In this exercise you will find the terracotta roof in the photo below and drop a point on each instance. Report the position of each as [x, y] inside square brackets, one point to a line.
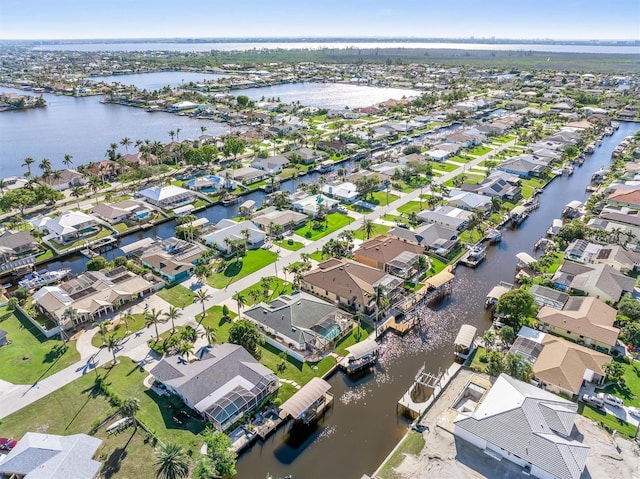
[625, 196]
[384, 249]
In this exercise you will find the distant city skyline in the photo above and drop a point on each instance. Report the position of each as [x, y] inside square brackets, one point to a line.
[500, 19]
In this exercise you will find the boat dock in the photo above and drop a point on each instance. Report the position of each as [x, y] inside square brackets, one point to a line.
[410, 404]
[362, 355]
[474, 256]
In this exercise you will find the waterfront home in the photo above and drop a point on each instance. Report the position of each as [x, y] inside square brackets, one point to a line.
[301, 322]
[561, 107]
[269, 217]
[224, 385]
[229, 230]
[391, 254]
[558, 365]
[245, 175]
[432, 237]
[105, 169]
[346, 191]
[350, 284]
[544, 296]
[465, 139]
[448, 216]
[436, 154]
[619, 258]
[383, 179]
[307, 156]
[582, 251]
[525, 166]
[310, 204]
[172, 259]
[90, 296]
[167, 197]
[181, 106]
[18, 243]
[540, 436]
[53, 457]
[599, 280]
[547, 156]
[68, 227]
[499, 183]
[66, 180]
[126, 210]
[211, 183]
[585, 320]
[452, 148]
[624, 197]
[469, 201]
[271, 165]
[13, 183]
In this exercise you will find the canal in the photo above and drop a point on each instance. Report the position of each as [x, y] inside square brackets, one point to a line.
[362, 427]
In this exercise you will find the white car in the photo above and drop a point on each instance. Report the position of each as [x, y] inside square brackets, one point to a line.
[611, 400]
[634, 411]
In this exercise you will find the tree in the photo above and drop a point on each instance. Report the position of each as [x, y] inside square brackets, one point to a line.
[28, 162]
[112, 343]
[77, 192]
[368, 227]
[507, 335]
[515, 305]
[494, 367]
[489, 339]
[211, 333]
[129, 408]
[614, 371]
[246, 334]
[630, 307]
[172, 462]
[221, 454]
[516, 366]
[67, 161]
[202, 272]
[126, 142]
[202, 296]
[97, 263]
[366, 185]
[241, 301]
[233, 147]
[173, 314]
[153, 317]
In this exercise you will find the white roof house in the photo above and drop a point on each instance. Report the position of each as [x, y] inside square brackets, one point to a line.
[229, 229]
[448, 216]
[169, 196]
[467, 200]
[345, 191]
[309, 204]
[65, 226]
[528, 426]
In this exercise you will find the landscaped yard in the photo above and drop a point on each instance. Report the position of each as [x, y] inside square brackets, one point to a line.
[177, 295]
[443, 166]
[479, 150]
[103, 233]
[411, 207]
[607, 420]
[334, 222]
[136, 323]
[382, 198]
[30, 356]
[357, 334]
[234, 270]
[289, 244]
[378, 230]
[436, 265]
[277, 287]
[317, 256]
[630, 390]
[46, 254]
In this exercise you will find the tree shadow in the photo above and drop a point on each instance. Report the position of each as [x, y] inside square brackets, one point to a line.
[113, 463]
[233, 269]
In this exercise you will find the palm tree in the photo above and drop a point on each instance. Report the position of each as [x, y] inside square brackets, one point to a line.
[153, 317]
[112, 343]
[126, 142]
[172, 462]
[241, 300]
[382, 303]
[203, 129]
[202, 296]
[103, 329]
[67, 161]
[45, 166]
[185, 348]
[178, 130]
[173, 314]
[211, 333]
[368, 227]
[77, 192]
[172, 134]
[95, 184]
[129, 408]
[28, 162]
[125, 318]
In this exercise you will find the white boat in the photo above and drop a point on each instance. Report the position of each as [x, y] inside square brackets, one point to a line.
[567, 170]
[41, 278]
[494, 235]
[615, 125]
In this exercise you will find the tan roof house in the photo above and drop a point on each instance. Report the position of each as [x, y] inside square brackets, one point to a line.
[585, 320]
[391, 254]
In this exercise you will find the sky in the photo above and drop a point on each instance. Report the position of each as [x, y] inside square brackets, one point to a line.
[516, 19]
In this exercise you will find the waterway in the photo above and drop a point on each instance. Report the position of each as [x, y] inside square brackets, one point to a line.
[311, 45]
[362, 427]
[157, 80]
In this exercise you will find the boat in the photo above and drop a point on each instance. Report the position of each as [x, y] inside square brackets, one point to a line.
[567, 170]
[88, 253]
[591, 147]
[608, 131]
[496, 293]
[615, 125]
[43, 277]
[572, 209]
[556, 224]
[229, 200]
[475, 256]
[465, 341]
[494, 236]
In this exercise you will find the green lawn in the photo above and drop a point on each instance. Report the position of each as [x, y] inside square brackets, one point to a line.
[630, 390]
[317, 255]
[30, 356]
[378, 230]
[46, 254]
[278, 287]
[475, 362]
[356, 335]
[334, 222]
[609, 421]
[120, 330]
[411, 207]
[411, 444]
[479, 150]
[289, 244]
[177, 295]
[448, 167]
[436, 266]
[103, 233]
[233, 270]
[381, 197]
[393, 218]
[121, 227]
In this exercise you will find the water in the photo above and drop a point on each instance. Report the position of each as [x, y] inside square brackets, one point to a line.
[362, 427]
[328, 95]
[157, 80]
[244, 46]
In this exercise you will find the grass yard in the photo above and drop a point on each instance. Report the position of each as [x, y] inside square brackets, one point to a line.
[120, 330]
[45, 255]
[317, 256]
[444, 166]
[120, 227]
[411, 207]
[357, 334]
[608, 421]
[126, 454]
[30, 356]
[471, 236]
[382, 198]
[233, 270]
[277, 287]
[479, 150]
[378, 230]
[630, 390]
[436, 265]
[334, 222]
[177, 295]
[392, 218]
[289, 244]
[476, 364]
[411, 444]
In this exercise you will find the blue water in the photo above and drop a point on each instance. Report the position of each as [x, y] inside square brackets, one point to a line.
[157, 80]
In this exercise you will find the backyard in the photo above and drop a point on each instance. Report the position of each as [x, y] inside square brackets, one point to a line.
[233, 270]
[277, 287]
[30, 356]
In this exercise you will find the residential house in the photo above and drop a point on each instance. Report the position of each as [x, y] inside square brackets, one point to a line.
[464, 139]
[271, 165]
[173, 259]
[310, 204]
[245, 175]
[500, 184]
[351, 284]
[308, 156]
[432, 237]
[66, 180]
[230, 230]
[301, 322]
[127, 210]
[391, 254]
[599, 280]
[105, 169]
[49, 456]
[287, 219]
[448, 216]
[19, 243]
[224, 385]
[346, 191]
[585, 320]
[624, 197]
[68, 227]
[167, 197]
[525, 166]
[619, 258]
[437, 154]
[544, 296]
[90, 296]
[582, 251]
[469, 201]
[528, 426]
[210, 183]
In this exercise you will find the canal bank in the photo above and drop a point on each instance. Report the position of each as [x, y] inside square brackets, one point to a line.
[362, 428]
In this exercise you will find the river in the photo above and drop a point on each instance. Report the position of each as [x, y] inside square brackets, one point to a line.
[316, 45]
[362, 427]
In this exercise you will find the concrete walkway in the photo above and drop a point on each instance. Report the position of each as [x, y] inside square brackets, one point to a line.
[135, 346]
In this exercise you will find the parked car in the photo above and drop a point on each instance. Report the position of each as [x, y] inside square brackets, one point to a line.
[342, 209]
[634, 411]
[593, 401]
[6, 444]
[611, 400]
